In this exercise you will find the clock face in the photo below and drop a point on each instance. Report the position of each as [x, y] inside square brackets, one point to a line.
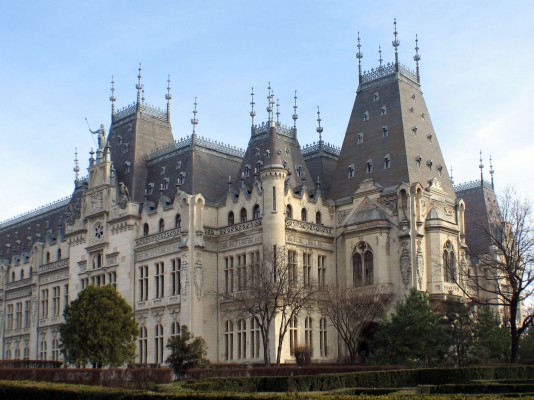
[98, 231]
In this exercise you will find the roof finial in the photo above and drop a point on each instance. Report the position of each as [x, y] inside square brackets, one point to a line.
[417, 58]
[76, 168]
[112, 98]
[481, 166]
[269, 103]
[359, 56]
[143, 95]
[295, 115]
[252, 112]
[492, 171]
[194, 120]
[380, 53]
[139, 86]
[396, 44]
[168, 97]
[452, 179]
[319, 128]
[277, 112]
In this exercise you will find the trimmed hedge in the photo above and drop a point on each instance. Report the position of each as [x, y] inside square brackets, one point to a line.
[117, 377]
[477, 388]
[380, 379]
[51, 391]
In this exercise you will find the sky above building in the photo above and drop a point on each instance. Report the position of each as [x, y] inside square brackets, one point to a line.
[58, 59]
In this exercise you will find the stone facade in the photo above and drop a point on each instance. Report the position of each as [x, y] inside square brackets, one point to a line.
[160, 219]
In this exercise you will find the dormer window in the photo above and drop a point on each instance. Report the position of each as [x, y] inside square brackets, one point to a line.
[359, 138]
[127, 165]
[376, 96]
[161, 225]
[267, 154]
[178, 165]
[257, 152]
[150, 189]
[387, 161]
[411, 110]
[366, 116]
[298, 169]
[423, 116]
[440, 169]
[418, 160]
[413, 97]
[162, 170]
[259, 165]
[414, 130]
[385, 131]
[247, 171]
[429, 137]
[351, 171]
[429, 163]
[182, 178]
[383, 110]
[120, 139]
[369, 166]
[165, 183]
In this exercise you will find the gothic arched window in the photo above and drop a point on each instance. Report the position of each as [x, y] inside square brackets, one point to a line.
[318, 220]
[178, 221]
[243, 215]
[304, 215]
[161, 225]
[362, 265]
[289, 211]
[231, 218]
[256, 212]
[145, 229]
[449, 262]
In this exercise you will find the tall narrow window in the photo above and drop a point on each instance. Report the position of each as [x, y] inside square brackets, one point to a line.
[143, 341]
[229, 274]
[9, 317]
[228, 340]
[241, 272]
[178, 221]
[304, 215]
[318, 219]
[158, 344]
[321, 271]
[161, 225]
[449, 262]
[230, 218]
[44, 303]
[176, 276]
[55, 350]
[323, 338]
[369, 166]
[362, 265]
[292, 267]
[387, 161]
[56, 301]
[159, 280]
[385, 131]
[58, 254]
[145, 229]
[308, 334]
[18, 315]
[293, 334]
[175, 329]
[254, 339]
[42, 352]
[66, 294]
[27, 313]
[306, 268]
[359, 138]
[274, 198]
[143, 283]
[243, 214]
[242, 339]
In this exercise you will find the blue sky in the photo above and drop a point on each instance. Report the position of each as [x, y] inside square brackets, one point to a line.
[58, 58]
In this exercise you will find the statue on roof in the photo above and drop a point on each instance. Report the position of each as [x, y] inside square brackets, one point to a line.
[124, 194]
[101, 132]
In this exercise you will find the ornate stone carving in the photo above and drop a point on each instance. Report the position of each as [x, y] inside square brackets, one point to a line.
[420, 265]
[341, 215]
[73, 213]
[199, 278]
[97, 202]
[405, 263]
[185, 276]
[124, 195]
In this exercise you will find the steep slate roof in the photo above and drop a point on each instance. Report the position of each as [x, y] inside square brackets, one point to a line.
[321, 159]
[274, 144]
[481, 208]
[390, 97]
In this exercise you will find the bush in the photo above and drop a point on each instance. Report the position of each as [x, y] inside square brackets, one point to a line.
[141, 378]
[302, 354]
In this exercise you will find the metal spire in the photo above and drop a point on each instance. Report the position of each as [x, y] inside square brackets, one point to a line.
[143, 95]
[194, 120]
[417, 58]
[112, 98]
[270, 103]
[319, 128]
[481, 166]
[76, 168]
[492, 171]
[396, 44]
[168, 97]
[139, 86]
[277, 112]
[252, 112]
[359, 56]
[380, 53]
[295, 115]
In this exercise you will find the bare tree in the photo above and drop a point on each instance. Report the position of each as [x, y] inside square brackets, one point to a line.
[271, 288]
[503, 275]
[351, 309]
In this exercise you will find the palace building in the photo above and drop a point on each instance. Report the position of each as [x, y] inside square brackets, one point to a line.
[171, 223]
